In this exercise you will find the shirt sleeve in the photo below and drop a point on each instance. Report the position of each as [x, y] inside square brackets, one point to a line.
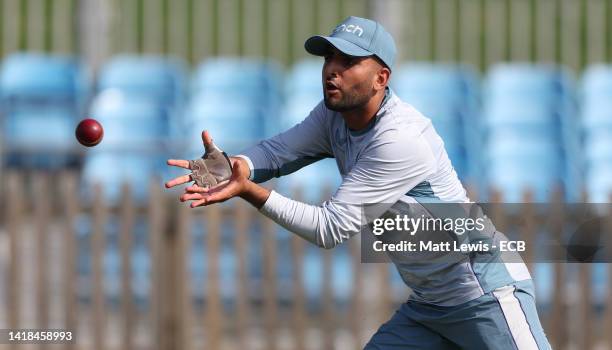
[384, 173]
[303, 144]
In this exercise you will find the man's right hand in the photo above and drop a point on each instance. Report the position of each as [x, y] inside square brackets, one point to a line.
[213, 169]
[237, 186]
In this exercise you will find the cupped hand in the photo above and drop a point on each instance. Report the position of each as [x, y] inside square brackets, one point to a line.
[208, 145]
[235, 187]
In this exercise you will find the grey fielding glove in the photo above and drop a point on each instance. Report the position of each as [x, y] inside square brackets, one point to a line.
[212, 169]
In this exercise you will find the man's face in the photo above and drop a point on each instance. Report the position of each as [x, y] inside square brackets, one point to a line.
[348, 81]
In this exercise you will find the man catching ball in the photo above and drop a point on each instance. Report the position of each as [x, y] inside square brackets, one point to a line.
[387, 152]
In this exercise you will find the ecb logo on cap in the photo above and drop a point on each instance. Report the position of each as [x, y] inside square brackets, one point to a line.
[351, 28]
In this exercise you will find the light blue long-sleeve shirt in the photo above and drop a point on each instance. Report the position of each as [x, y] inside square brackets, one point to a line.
[399, 158]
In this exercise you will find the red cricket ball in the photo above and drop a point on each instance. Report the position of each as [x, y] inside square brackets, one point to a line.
[89, 132]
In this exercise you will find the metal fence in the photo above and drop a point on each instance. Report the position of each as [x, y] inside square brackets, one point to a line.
[478, 32]
[42, 286]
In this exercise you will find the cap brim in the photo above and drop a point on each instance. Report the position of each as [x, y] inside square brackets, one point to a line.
[319, 46]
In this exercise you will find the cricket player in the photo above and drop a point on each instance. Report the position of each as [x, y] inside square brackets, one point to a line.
[388, 153]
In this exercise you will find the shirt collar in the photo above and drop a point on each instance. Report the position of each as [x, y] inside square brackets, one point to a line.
[384, 103]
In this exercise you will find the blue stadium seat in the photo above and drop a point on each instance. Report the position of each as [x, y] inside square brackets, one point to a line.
[155, 77]
[517, 147]
[525, 94]
[435, 109]
[233, 126]
[304, 91]
[525, 126]
[530, 97]
[596, 123]
[502, 142]
[598, 147]
[52, 129]
[40, 101]
[253, 83]
[26, 76]
[38, 139]
[526, 166]
[305, 77]
[113, 169]
[509, 113]
[136, 138]
[298, 107]
[257, 79]
[138, 103]
[130, 122]
[541, 83]
[216, 99]
[597, 114]
[597, 82]
[529, 121]
[447, 82]
[513, 163]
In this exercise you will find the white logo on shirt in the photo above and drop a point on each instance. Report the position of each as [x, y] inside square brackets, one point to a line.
[351, 28]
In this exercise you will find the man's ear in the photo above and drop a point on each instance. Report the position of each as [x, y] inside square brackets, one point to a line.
[381, 79]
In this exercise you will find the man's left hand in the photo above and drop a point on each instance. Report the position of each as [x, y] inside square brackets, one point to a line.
[236, 187]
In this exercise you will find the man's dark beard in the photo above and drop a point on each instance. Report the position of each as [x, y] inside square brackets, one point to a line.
[350, 100]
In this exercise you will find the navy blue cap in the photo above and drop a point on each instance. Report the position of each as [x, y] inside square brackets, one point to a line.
[356, 36]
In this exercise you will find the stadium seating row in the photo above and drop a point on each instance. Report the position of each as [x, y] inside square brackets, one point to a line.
[522, 125]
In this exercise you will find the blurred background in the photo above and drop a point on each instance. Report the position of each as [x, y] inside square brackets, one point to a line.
[520, 91]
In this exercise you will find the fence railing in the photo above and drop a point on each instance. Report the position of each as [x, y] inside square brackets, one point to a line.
[478, 32]
[43, 255]
[41, 217]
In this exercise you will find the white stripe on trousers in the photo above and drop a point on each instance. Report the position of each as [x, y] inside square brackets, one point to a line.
[515, 317]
